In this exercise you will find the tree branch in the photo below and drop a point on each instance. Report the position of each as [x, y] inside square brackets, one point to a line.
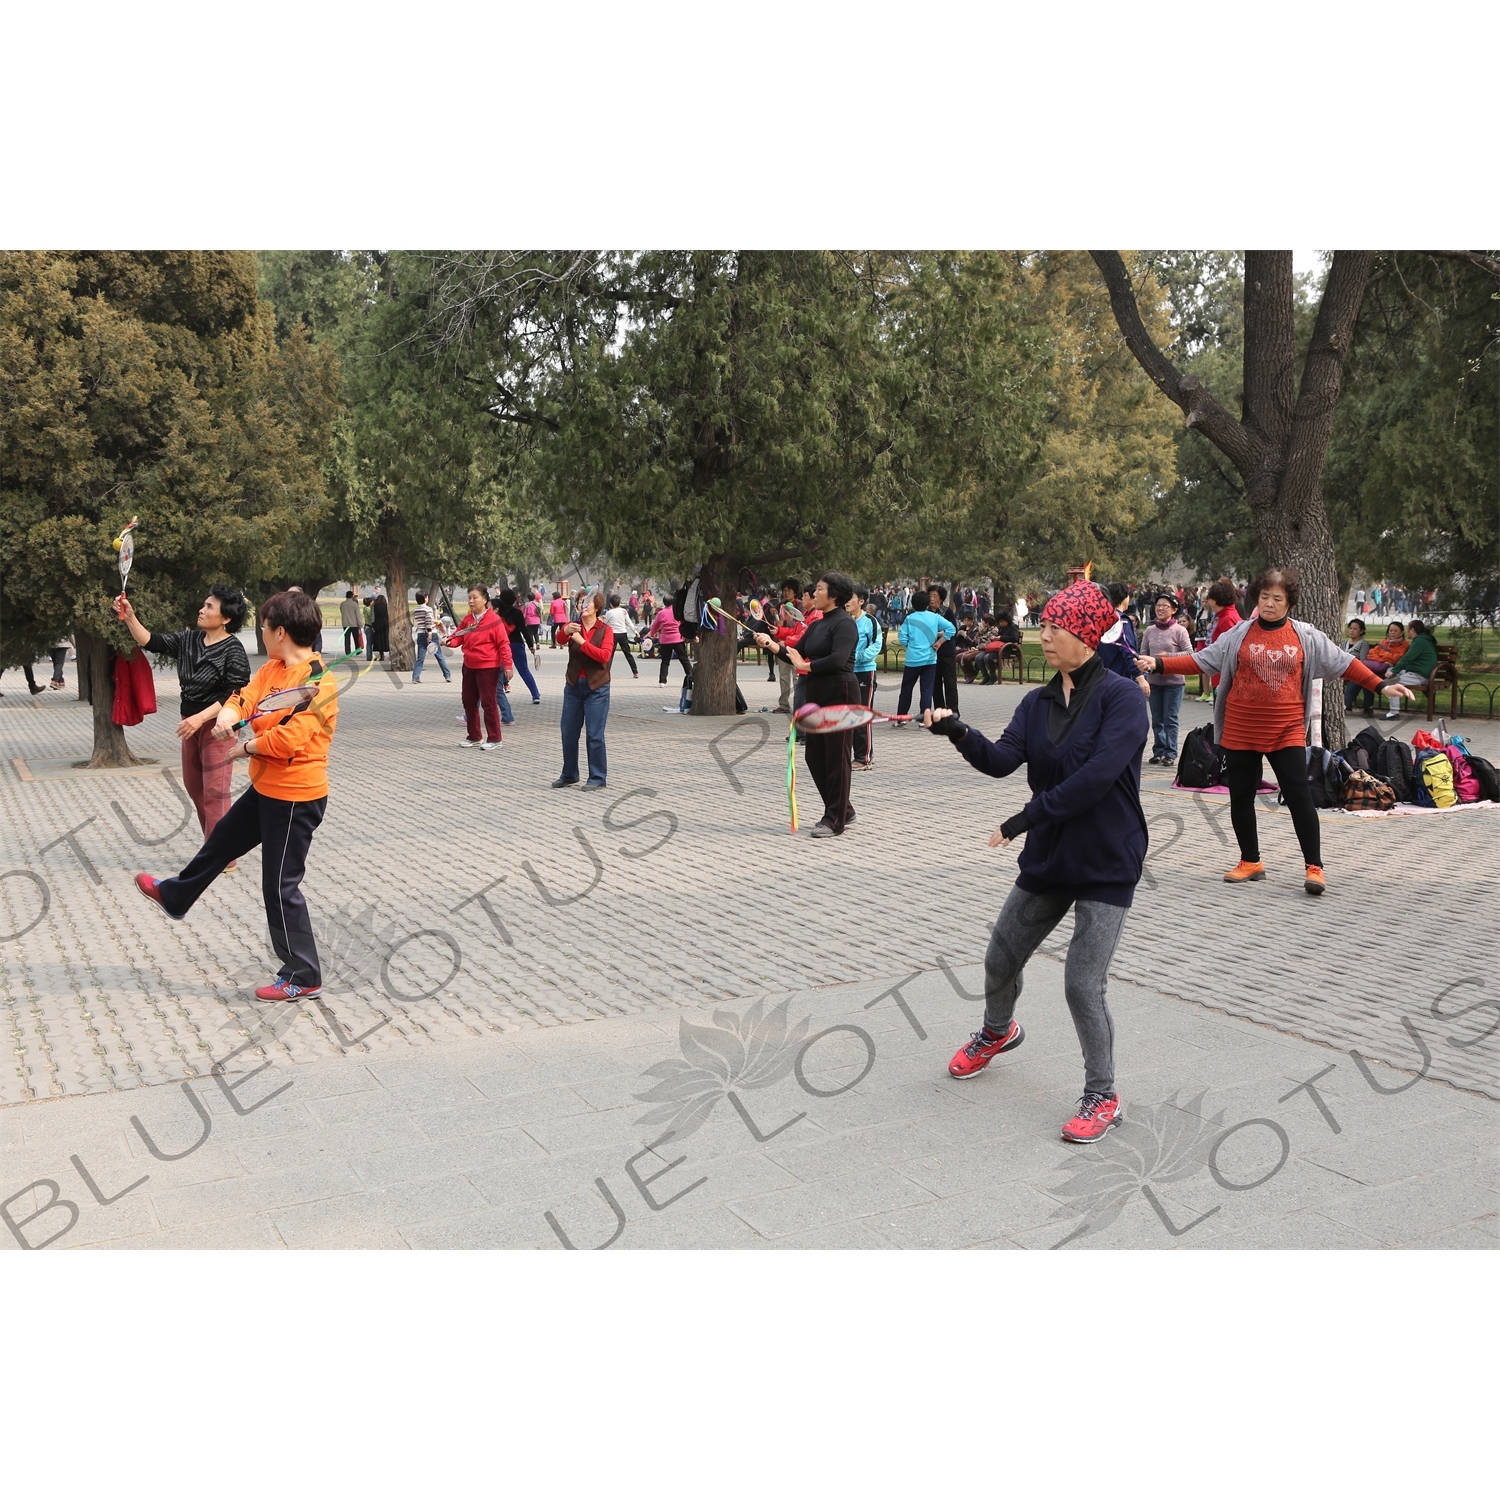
[1199, 407]
[1323, 369]
[1486, 262]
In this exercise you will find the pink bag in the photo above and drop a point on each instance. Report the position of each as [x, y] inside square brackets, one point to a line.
[1465, 782]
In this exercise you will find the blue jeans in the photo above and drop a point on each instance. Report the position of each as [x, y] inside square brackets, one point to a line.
[1166, 700]
[427, 638]
[587, 710]
[523, 669]
[1351, 691]
[503, 699]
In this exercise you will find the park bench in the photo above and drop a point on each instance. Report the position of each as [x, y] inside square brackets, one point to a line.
[1445, 671]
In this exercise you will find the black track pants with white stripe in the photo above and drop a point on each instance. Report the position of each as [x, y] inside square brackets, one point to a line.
[283, 830]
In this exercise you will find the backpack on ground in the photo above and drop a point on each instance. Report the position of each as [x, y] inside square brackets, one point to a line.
[1487, 778]
[1201, 762]
[1366, 793]
[1364, 747]
[1465, 783]
[1434, 779]
[1393, 763]
[1326, 775]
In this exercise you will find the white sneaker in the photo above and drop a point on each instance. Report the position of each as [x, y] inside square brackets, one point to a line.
[474, 744]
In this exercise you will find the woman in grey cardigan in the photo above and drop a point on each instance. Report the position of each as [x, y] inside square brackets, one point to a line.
[1264, 708]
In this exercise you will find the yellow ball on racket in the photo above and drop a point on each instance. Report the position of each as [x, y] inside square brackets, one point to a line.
[116, 544]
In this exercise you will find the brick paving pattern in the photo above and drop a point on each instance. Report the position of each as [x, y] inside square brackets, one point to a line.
[465, 908]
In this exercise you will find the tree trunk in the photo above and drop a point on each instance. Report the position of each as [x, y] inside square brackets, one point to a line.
[403, 652]
[110, 748]
[1281, 439]
[714, 676]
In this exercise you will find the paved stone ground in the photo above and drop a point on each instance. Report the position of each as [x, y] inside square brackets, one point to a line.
[469, 915]
[825, 1121]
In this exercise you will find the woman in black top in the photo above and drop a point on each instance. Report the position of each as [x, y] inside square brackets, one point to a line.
[824, 661]
[380, 631]
[211, 665]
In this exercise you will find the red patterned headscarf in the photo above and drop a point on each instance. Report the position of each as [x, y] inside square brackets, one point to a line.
[1082, 609]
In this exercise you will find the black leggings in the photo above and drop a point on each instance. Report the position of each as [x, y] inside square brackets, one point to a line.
[1289, 767]
[623, 645]
[668, 650]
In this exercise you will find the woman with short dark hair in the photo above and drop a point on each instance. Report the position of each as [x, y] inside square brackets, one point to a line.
[824, 662]
[211, 666]
[1269, 665]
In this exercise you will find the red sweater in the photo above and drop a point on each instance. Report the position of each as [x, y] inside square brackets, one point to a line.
[487, 644]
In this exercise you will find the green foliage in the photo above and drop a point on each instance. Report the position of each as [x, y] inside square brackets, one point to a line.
[1205, 519]
[421, 488]
[148, 384]
[1108, 455]
[758, 407]
[1411, 480]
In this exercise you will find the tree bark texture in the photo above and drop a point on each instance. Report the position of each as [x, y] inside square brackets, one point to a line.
[110, 748]
[403, 652]
[714, 676]
[1280, 441]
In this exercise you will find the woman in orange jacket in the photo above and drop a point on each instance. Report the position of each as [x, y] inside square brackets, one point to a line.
[286, 798]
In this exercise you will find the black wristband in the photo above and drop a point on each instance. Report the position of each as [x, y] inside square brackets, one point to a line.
[1013, 828]
[952, 726]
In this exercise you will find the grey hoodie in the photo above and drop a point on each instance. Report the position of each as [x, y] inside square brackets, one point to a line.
[1322, 658]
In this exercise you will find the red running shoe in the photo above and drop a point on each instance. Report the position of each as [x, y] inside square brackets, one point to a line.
[284, 989]
[1096, 1113]
[149, 887]
[976, 1053]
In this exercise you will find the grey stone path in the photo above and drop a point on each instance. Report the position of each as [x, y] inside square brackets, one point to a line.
[470, 917]
[827, 1121]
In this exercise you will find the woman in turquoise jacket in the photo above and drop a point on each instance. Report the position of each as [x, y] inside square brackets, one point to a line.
[921, 633]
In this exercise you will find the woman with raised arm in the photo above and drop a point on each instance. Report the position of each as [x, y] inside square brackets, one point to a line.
[211, 668]
[1080, 739]
[1268, 666]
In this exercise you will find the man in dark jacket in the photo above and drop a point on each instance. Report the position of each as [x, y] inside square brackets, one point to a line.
[1080, 738]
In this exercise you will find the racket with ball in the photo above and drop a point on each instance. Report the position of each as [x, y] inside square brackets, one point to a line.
[835, 718]
[125, 546]
[757, 615]
[290, 699]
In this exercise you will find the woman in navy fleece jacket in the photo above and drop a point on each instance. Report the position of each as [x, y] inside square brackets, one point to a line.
[1080, 738]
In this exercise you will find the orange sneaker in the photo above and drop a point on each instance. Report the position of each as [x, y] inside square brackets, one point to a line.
[1247, 869]
[1315, 885]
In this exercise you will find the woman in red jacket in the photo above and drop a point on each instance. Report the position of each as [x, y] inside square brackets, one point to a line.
[1220, 603]
[486, 647]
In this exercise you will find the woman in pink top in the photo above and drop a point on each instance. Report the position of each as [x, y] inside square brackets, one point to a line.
[668, 635]
[559, 615]
[531, 620]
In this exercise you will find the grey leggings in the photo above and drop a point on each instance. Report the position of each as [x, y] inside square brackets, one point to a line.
[1022, 926]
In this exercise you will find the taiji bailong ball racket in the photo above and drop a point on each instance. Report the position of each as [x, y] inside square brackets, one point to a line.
[757, 614]
[125, 546]
[834, 718]
[291, 698]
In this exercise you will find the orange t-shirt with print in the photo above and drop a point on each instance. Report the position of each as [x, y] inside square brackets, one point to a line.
[290, 763]
[1265, 709]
